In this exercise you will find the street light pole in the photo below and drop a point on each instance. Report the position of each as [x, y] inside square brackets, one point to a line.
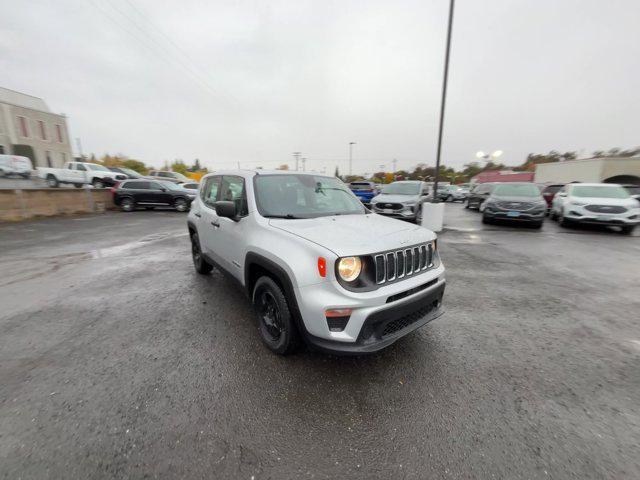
[351, 144]
[442, 103]
[296, 155]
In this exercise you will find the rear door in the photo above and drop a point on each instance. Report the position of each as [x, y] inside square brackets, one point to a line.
[159, 194]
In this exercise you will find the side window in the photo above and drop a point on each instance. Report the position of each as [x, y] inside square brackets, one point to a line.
[232, 189]
[71, 165]
[80, 167]
[209, 192]
[164, 174]
[155, 186]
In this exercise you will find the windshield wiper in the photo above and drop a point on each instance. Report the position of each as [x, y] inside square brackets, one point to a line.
[286, 215]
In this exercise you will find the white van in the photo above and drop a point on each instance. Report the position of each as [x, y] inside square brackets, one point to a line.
[15, 165]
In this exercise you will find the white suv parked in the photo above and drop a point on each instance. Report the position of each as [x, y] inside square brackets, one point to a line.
[596, 203]
[317, 265]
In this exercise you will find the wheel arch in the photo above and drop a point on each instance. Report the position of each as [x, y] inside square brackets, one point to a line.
[255, 266]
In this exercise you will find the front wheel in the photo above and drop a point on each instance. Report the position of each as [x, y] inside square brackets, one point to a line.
[487, 220]
[97, 183]
[181, 205]
[275, 322]
[627, 229]
[563, 221]
[127, 204]
[77, 185]
[202, 266]
[52, 181]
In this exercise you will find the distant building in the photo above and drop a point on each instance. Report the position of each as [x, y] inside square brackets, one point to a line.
[29, 128]
[502, 176]
[609, 170]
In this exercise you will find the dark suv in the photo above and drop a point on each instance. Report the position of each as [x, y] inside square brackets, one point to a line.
[478, 195]
[517, 201]
[150, 194]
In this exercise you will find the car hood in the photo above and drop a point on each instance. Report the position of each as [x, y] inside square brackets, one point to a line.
[623, 202]
[347, 235]
[383, 197]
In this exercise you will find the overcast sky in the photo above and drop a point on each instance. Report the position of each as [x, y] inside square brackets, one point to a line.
[252, 82]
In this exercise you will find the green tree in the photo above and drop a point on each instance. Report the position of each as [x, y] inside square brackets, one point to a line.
[179, 167]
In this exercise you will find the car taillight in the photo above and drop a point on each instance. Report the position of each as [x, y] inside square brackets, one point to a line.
[113, 189]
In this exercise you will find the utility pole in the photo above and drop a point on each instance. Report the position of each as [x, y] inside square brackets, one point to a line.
[351, 144]
[304, 162]
[395, 162]
[296, 155]
[444, 98]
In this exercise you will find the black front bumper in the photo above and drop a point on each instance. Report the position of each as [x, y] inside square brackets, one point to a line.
[522, 216]
[384, 327]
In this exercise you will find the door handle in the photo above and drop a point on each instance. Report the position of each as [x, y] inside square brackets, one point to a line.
[215, 224]
[197, 215]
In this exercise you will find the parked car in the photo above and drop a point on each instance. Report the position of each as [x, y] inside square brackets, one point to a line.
[515, 202]
[15, 165]
[131, 194]
[294, 241]
[634, 190]
[365, 191]
[549, 191]
[165, 176]
[596, 203]
[80, 173]
[478, 194]
[453, 193]
[402, 199]
[126, 171]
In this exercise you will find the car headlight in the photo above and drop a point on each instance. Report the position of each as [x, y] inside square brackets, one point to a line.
[349, 268]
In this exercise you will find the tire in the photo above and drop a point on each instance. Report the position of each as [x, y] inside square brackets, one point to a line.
[52, 181]
[201, 265]
[487, 220]
[97, 183]
[127, 205]
[481, 207]
[553, 215]
[563, 221]
[627, 229]
[26, 176]
[181, 205]
[466, 203]
[449, 199]
[77, 185]
[275, 322]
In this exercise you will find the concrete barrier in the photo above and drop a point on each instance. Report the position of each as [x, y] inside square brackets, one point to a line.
[22, 204]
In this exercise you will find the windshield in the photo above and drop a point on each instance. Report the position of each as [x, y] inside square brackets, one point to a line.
[599, 191]
[304, 196]
[402, 188]
[516, 190]
[93, 166]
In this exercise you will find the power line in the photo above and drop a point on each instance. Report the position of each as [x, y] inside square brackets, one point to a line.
[170, 60]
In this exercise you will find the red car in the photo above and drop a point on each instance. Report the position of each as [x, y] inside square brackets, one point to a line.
[549, 191]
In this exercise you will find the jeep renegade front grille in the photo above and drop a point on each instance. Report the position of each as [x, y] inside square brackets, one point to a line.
[398, 264]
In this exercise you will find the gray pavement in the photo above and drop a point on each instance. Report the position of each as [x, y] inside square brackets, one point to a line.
[118, 361]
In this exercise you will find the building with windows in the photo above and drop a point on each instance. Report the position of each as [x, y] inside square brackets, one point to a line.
[30, 129]
[624, 170]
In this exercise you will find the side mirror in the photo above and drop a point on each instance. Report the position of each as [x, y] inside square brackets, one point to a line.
[162, 189]
[226, 209]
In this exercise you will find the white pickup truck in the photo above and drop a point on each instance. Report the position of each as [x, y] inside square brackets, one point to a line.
[79, 174]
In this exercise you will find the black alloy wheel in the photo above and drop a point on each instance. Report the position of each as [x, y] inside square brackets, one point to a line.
[201, 265]
[275, 322]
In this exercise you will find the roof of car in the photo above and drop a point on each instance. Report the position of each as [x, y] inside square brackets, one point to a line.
[254, 172]
[595, 184]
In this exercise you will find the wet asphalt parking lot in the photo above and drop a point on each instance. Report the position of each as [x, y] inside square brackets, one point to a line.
[118, 361]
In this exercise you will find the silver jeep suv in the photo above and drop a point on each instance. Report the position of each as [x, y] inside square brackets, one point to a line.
[317, 265]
